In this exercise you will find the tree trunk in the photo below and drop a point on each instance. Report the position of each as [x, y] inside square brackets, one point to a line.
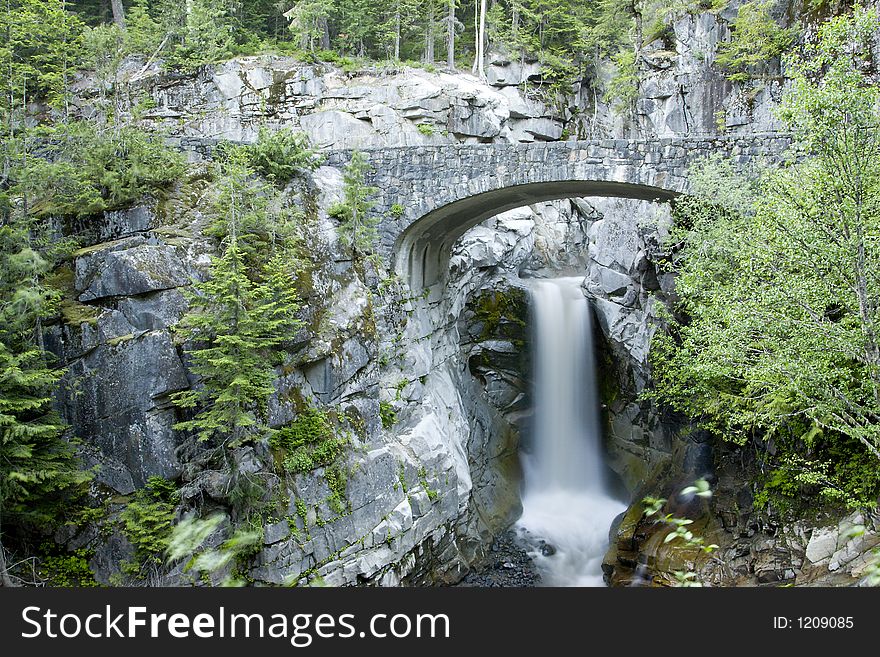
[325, 34]
[450, 36]
[397, 33]
[429, 36]
[5, 579]
[118, 13]
[514, 20]
[479, 63]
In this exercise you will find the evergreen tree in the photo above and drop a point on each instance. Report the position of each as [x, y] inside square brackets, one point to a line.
[308, 22]
[118, 13]
[233, 327]
[451, 28]
[430, 14]
[756, 41]
[246, 308]
[358, 228]
[37, 466]
[39, 48]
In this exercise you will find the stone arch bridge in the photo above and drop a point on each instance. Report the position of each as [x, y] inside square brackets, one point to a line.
[443, 190]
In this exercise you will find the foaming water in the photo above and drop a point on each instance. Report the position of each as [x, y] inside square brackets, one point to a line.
[567, 507]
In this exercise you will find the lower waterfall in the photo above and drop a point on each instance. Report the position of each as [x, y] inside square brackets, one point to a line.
[567, 505]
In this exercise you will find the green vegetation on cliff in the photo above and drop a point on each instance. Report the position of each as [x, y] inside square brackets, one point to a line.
[357, 228]
[233, 325]
[779, 341]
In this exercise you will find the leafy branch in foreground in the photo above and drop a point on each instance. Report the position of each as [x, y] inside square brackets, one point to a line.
[190, 534]
[680, 530]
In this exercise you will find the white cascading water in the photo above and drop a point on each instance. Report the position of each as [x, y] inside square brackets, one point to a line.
[566, 501]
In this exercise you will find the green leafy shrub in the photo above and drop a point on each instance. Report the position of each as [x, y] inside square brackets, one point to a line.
[308, 442]
[81, 169]
[147, 520]
[67, 570]
[281, 155]
[773, 343]
[188, 537]
[337, 480]
[387, 414]
[423, 480]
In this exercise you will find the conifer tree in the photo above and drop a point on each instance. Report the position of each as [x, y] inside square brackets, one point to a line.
[247, 307]
[234, 325]
[358, 228]
[40, 44]
[36, 461]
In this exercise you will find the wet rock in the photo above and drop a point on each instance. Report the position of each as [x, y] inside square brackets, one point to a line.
[510, 565]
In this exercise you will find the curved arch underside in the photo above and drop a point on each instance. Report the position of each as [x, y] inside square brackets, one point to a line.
[421, 253]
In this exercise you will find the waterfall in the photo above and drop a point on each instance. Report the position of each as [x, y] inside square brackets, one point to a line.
[567, 506]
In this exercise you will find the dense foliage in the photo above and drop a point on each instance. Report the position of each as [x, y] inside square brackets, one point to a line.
[79, 169]
[36, 461]
[757, 41]
[775, 343]
[780, 289]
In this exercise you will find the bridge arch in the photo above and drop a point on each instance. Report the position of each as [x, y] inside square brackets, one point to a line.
[421, 252]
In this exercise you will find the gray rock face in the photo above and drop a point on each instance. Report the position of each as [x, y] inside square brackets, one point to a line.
[116, 399]
[153, 311]
[503, 72]
[338, 129]
[537, 129]
[127, 270]
[113, 225]
[470, 122]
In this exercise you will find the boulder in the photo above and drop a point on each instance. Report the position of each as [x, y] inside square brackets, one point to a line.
[153, 311]
[470, 121]
[823, 543]
[118, 272]
[608, 282]
[521, 106]
[541, 129]
[122, 223]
